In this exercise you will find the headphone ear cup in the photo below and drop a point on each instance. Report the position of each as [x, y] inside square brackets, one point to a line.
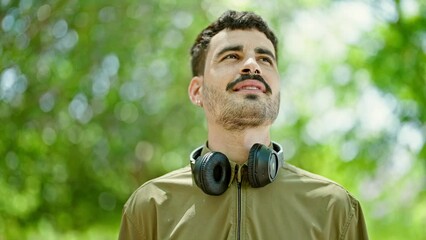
[262, 165]
[212, 173]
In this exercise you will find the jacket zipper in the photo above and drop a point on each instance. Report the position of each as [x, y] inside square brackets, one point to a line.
[239, 212]
[238, 172]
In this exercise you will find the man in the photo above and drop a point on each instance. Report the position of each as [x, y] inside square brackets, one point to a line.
[237, 185]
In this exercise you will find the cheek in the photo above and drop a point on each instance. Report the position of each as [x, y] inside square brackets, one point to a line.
[224, 69]
[274, 81]
[277, 84]
[220, 77]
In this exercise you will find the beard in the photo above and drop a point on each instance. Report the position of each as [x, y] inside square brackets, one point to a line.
[236, 112]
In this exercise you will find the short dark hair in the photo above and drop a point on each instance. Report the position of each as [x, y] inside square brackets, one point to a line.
[231, 20]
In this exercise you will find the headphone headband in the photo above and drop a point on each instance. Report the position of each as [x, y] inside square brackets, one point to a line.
[275, 146]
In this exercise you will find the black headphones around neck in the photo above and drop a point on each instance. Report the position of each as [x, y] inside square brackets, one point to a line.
[212, 171]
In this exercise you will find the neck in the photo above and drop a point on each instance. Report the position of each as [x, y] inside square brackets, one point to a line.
[236, 144]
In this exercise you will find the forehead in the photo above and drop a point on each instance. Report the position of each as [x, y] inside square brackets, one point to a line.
[248, 39]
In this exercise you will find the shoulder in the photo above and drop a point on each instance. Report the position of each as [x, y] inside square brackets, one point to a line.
[153, 193]
[326, 202]
[157, 188]
[178, 176]
[295, 175]
[309, 185]
[140, 210]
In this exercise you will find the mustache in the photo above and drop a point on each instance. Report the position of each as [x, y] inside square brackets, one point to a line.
[244, 77]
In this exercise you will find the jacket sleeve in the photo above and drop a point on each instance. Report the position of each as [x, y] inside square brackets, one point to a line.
[355, 227]
[128, 230]
[139, 218]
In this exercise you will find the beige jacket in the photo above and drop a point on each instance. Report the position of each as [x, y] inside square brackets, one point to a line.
[298, 205]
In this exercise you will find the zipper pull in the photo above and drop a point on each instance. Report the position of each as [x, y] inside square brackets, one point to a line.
[239, 173]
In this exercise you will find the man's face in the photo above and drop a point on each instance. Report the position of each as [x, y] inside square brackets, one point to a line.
[240, 86]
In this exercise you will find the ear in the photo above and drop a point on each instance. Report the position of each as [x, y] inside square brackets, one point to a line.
[195, 90]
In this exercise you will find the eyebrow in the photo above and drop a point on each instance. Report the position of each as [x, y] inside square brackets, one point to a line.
[237, 48]
[233, 48]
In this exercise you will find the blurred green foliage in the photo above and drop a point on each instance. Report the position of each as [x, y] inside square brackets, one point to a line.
[93, 102]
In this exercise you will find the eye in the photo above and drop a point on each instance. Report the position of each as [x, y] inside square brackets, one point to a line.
[267, 60]
[231, 56]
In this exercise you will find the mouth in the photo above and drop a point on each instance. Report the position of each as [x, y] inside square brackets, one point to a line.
[249, 86]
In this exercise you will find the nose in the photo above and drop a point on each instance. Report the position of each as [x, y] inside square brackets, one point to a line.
[250, 67]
